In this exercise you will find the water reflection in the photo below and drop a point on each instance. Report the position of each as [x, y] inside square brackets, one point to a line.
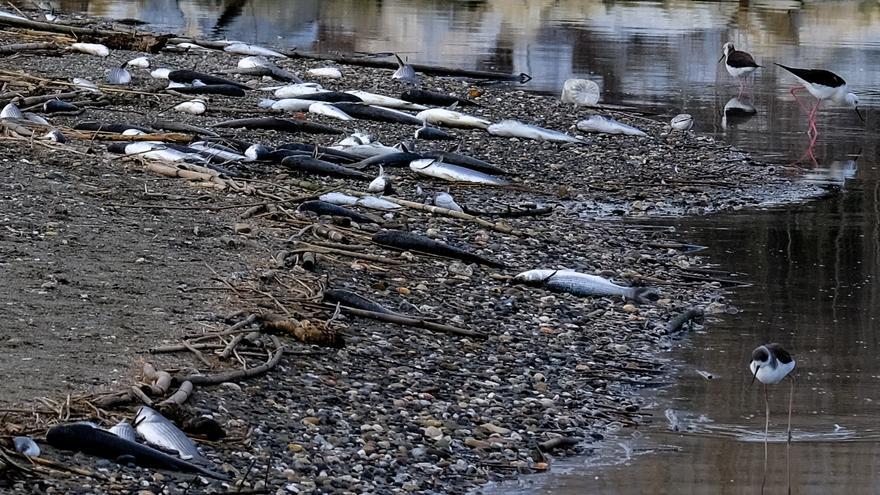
[737, 112]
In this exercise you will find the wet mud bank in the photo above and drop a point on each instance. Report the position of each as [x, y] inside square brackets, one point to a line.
[469, 377]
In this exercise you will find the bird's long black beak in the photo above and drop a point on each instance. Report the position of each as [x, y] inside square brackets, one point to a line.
[720, 59]
[755, 375]
[859, 114]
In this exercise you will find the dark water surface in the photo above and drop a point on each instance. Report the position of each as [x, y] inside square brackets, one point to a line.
[813, 266]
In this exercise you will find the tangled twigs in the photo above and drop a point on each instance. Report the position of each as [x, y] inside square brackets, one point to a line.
[214, 379]
[415, 322]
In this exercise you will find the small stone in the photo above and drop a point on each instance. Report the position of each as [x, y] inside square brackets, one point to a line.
[403, 291]
[242, 228]
[311, 420]
[295, 447]
[629, 308]
[476, 444]
[433, 433]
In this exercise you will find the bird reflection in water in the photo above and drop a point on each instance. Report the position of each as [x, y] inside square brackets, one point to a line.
[737, 111]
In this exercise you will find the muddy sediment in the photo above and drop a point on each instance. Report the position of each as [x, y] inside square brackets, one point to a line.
[106, 259]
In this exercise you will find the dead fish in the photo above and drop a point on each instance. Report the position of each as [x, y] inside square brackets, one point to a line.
[607, 125]
[330, 97]
[451, 118]
[338, 198]
[95, 441]
[393, 159]
[26, 446]
[580, 92]
[581, 284]
[260, 65]
[515, 128]
[380, 184]
[357, 138]
[312, 165]
[277, 124]
[194, 107]
[465, 161]
[55, 136]
[91, 49]
[414, 242]
[324, 208]
[211, 89]
[124, 430]
[189, 76]
[435, 99]
[445, 200]
[367, 150]
[245, 49]
[377, 114]
[86, 84]
[142, 62]
[405, 73]
[118, 76]
[54, 106]
[328, 110]
[377, 203]
[353, 300]
[453, 173]
[158, 430]
[432, 134]
[161, 73]
[328, 72]
[330, 154]
[11, 111]
[298, 90]
[385, 101]
[37, 119]
[292, 105]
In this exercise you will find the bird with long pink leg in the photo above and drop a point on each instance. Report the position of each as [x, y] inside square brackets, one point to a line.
[823, 85]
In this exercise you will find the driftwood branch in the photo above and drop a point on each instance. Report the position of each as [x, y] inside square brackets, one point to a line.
[180, 396]
[415, 322]
[25, 47]
[228, 376]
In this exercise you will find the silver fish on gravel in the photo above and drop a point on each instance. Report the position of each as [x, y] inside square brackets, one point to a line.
[10, 111]
[26, 446]
[582, 284]
[380, 183]
[445, 200]
[405, 72]
[607, 125]
[515, 128]
[118, 76]
[451, 118]
[123, 429]
[86, 84]
[453, 173]
[160, 431]
[245, 49]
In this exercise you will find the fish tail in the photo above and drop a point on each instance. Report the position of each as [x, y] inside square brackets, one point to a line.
[645, 295]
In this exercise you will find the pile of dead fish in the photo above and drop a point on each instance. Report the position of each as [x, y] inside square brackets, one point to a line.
[165, 445]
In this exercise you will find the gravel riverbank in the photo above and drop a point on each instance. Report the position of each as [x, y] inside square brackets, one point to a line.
[106, 260]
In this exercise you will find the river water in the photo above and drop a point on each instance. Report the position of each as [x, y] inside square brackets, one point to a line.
[812, 266]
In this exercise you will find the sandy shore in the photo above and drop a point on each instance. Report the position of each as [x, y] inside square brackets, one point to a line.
[105, 260]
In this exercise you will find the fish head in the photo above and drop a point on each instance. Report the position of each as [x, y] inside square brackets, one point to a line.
[646, 295]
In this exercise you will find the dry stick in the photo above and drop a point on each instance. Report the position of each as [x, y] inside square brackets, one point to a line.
[198, 354]
[180, 396]
[311, 248]
[232, 345]
[180, 348]
[240, 374]
[141, 396]
[415, 322]
[22, 47]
